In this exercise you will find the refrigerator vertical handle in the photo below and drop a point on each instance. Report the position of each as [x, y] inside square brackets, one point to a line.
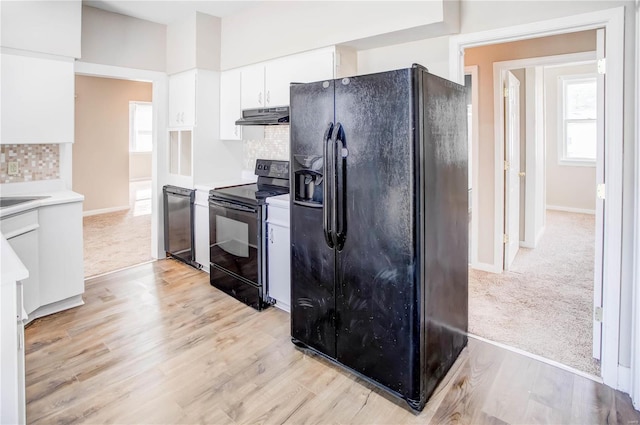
[340, 218]
[327, 172]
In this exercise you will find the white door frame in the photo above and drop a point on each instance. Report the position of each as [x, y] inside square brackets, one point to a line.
[613, 22]
[635, 304]
[160, 94]
[475, 137]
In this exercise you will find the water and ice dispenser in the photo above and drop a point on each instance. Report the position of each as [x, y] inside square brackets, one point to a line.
[308, 180]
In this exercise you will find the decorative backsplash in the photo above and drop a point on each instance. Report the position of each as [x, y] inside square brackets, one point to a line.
[35, 162]
[274, 146]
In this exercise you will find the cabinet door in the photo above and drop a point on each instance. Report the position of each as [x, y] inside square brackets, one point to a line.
[230, 109]
[278, 77]
[311, 67]
[61, 255]
[37, 100]
[182, 99]
[26, 248]
[279, 260]
[252, 87]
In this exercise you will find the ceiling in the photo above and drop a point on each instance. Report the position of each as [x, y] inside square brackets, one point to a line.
[168, 11]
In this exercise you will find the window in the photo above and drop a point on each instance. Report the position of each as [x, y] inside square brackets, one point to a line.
[140, 127]
[578, 120]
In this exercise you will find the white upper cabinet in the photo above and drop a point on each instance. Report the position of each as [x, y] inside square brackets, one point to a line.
[182, 99]
[315, 66]
[267, 84]
[37, 98]
[252, 93]
[230, 109]
[278, 76]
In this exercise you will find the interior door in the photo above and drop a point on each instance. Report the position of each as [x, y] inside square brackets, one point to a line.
[600, 205]
[512, 169]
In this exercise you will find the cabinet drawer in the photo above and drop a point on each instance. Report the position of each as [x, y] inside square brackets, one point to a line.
[278, 215]
[18, 224]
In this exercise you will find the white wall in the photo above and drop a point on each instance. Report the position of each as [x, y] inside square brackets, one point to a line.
[193, 42]
[568, 186]
[51, 27]
[432, 53]
[276, 29]
[118, 40]
[101, 150]
[139, 166]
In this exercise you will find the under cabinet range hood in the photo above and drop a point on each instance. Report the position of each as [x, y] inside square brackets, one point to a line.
[265, 116]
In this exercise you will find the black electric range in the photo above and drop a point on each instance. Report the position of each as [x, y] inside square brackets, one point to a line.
[237, 233]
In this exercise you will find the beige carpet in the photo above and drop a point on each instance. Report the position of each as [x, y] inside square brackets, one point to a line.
[120, 239]
[544, 304]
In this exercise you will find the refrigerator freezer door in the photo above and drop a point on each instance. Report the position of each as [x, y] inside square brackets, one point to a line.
[312, 260]
[378, 325]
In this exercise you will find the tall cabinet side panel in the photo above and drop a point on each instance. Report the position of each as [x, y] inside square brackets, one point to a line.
[312, 260]
[378, 320]
[446, 237]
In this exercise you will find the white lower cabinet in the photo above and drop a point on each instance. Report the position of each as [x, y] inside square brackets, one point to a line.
[48, 241]
[279, 253]
[21, 231]
[61, 257]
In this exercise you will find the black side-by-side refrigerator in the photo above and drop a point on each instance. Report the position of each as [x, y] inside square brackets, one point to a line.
[379, 226]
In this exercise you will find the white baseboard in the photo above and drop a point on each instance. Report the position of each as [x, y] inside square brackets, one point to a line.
[140, 179]
[486, 267]
[624, 379]
[569, 209]
[48, 309]
[105, 210]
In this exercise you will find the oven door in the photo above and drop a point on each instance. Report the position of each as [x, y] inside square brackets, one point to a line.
[234, 234]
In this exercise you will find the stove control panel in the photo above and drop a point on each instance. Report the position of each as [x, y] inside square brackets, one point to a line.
[272, 168]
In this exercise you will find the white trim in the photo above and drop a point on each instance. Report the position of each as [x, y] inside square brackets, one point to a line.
[624, 379]
[536, 240]
[160, 96]
[487, 267]
[612, 20]
[105, 210]
[475, 138]
[574, 162]
[45, 310]
[539, 358]
[570, 209]
[635, 304]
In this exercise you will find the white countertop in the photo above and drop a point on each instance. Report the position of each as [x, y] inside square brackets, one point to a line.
[245, 177]
[52, 198]
[280, 200]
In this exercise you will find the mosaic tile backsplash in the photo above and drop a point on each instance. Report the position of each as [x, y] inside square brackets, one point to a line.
[35, 162]
[274, 146]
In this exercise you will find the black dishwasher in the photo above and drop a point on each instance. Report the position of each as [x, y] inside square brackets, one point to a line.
[179, 241]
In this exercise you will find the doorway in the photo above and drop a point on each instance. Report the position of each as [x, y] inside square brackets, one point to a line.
[112, 169]
[612, 20]
[543, 302]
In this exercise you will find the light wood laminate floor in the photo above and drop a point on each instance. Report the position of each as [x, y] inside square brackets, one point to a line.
[158, 344]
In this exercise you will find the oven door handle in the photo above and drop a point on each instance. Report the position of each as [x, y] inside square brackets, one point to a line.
[232, 206]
